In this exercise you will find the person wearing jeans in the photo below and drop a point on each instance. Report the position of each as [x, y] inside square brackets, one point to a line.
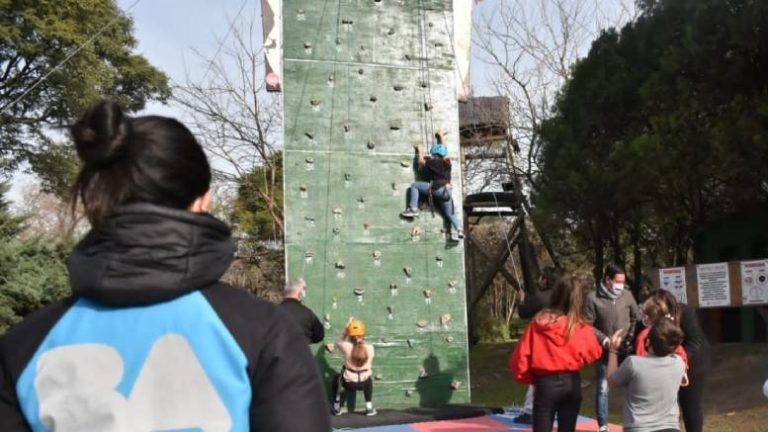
[436, 185]
[609, 308]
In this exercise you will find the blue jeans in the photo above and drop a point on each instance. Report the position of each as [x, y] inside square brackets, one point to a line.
[601, 391]
[441, 197]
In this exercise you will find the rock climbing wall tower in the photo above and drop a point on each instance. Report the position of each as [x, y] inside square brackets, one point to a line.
[365, 81]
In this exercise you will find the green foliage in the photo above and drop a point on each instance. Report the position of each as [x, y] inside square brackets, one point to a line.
[252, 214]
[492, 329]
[35, 36]
[57, 166]
[32, 272]
[660, 130]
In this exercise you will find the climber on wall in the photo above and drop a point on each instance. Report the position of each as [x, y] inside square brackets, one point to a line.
[436, 185]
[356, 373]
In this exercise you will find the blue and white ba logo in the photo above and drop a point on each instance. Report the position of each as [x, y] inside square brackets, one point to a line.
[76, 390]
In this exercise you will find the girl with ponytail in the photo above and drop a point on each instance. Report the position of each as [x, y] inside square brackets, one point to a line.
[356, 373]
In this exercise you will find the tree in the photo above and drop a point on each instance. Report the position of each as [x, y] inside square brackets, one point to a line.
[660, 130]
[239, 125]
[32, 271]
[41, 87]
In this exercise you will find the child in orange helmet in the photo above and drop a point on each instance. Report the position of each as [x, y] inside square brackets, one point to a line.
[356, 373]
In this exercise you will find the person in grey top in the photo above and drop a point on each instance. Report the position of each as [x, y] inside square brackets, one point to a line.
[652, 381]
[608, 309]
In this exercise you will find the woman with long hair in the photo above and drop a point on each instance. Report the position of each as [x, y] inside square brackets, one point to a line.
[554, 347]
[150, 339]
[356, 374]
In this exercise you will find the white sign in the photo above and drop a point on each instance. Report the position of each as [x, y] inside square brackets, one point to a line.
[754, 282]
[714, 285]
[673, 280]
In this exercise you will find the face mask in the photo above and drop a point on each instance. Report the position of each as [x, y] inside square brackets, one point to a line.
[617, 287]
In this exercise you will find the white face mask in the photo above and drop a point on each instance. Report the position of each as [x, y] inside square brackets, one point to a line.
[617, 286]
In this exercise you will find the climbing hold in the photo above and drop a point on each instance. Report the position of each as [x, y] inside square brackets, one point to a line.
[391, 31]
[408, 393]
[427, 106]
[371, 145]
[394, 186]
[330, 347]
[314, 102]
[427, 293]
[362, 48]
[408, 57]
[331, 78]
[338, 211]
[395, 125]
[366, 226]
[359, 291]
[346, 128]
[376, 254]
[340, 265]
[307, 45]
[309, 135]
[309, 253]
[374, 99]
[309, 160]
[439, 258]
[456, 384]
[393, 289]
[347, 21]
[445, 319]
[336, 230]
[391, 309]
[405, 164]
[408, 271]
[421, 323]
[327, 317]
[416, 231]
[449, 339]
[303, 188]
[409, 342]
[309, 219]
[452, 282]
[360, 71]
[347, 177]
[378, 377]
[424, 84]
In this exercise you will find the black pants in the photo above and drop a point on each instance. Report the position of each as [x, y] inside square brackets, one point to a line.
[689, 398]
[560, 394]
[366, 386]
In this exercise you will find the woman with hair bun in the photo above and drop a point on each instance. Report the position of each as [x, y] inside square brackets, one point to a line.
[150, 338]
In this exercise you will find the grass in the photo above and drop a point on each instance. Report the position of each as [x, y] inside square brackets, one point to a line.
[733, 399]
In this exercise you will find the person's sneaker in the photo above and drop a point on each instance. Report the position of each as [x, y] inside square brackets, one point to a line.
[410, 213]
[371, 412]
[523, 418]
[603, 428]
[460, 234]
[336, 409]
[456, 236]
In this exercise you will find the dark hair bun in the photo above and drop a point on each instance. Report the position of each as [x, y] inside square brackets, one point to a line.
[100, 135]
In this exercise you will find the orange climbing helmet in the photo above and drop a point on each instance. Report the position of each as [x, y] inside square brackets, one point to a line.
[356, 328]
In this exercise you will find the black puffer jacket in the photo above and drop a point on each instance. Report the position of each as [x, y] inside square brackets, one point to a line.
[150, 340]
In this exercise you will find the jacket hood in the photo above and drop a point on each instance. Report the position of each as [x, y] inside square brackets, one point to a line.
[552, 327]
[146, 254]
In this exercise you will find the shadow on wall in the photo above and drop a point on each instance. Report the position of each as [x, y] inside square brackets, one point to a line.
[434, 385]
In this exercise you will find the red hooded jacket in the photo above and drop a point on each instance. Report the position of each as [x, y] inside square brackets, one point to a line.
[545, 348]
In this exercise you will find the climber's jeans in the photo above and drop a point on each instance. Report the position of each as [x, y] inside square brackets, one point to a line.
[441, 198]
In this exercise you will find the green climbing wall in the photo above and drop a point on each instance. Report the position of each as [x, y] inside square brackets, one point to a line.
[364, 81]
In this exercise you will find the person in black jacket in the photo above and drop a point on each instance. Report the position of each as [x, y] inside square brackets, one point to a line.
[150, 338]
[308, 322]
[529, 307]
[699, 365]
[435, 185]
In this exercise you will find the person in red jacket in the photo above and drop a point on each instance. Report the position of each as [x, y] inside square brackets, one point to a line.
[555, 346]
[660, 304]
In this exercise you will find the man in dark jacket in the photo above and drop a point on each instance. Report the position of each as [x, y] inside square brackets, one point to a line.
[609, 308]
[310, 325]
[527, 309]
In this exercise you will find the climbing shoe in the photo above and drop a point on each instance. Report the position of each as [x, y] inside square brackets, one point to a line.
[410, 213]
